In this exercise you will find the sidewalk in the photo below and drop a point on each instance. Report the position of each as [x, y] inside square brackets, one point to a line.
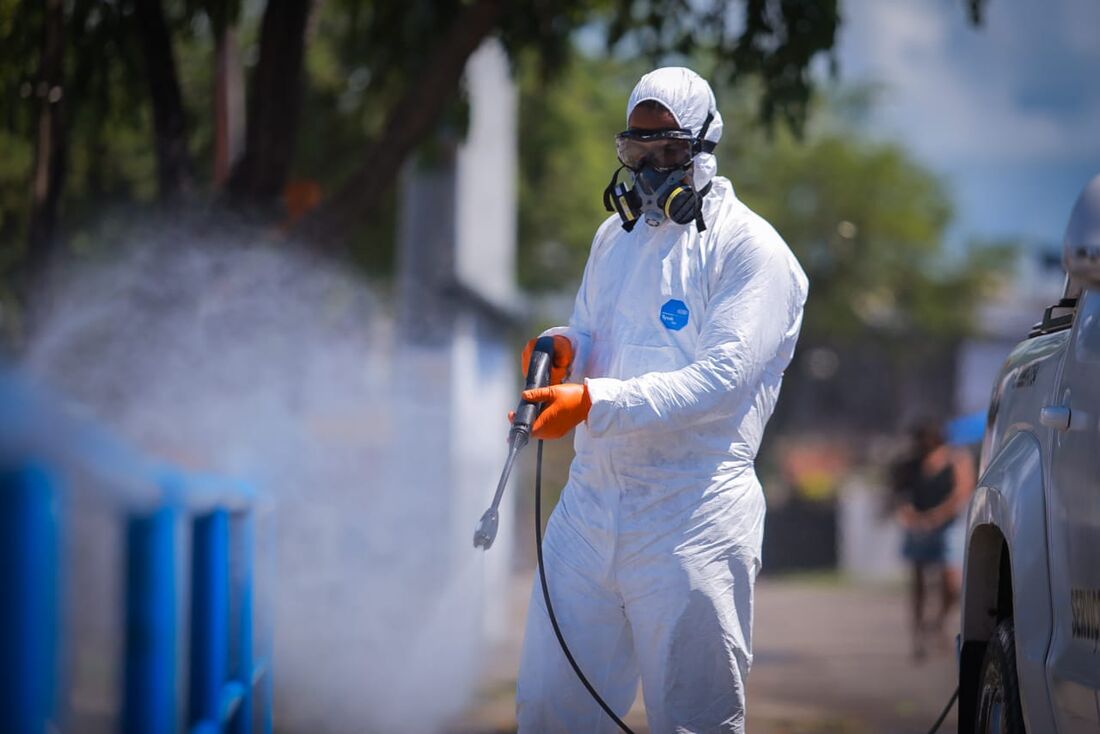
[831, 658]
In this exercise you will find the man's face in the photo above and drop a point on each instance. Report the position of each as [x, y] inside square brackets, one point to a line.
[651, 117]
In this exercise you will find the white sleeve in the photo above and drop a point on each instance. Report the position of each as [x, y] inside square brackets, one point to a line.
[753, 314]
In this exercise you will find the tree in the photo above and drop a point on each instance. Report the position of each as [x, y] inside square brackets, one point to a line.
[50, 141]
[776, 47]
[169, 120]
[275, 95]
[411, 119]
[775, 43]
[398, 67]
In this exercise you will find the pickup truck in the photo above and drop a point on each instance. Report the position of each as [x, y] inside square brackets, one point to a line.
[1030, 629]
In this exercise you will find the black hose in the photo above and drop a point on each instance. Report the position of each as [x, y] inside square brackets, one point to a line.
[550, 607]
[946, 710]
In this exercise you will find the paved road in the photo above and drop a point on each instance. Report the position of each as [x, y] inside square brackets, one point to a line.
[831, 658]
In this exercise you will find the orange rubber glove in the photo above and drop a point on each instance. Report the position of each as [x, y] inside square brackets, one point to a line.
[565, 406]
[563, 358]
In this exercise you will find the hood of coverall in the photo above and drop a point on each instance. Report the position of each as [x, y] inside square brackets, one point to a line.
[689, 98]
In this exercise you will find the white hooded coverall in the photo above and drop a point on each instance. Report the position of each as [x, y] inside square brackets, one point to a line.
[651, 554]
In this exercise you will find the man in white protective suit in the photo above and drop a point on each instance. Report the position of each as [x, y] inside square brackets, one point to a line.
[687, 315]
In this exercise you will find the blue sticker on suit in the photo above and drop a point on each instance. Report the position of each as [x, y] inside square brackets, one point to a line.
[674, 314]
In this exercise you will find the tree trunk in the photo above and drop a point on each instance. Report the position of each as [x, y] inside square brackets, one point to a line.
[228, 104]
[274, 102]
[411, 120]
[50, 152]
[169, 120]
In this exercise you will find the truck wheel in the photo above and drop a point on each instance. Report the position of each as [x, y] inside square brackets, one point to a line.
[999, 710]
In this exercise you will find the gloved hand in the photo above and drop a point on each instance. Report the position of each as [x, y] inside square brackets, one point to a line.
[563, 358]
[565, 406]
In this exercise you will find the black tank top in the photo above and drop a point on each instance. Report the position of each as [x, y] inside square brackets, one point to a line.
[926, 492]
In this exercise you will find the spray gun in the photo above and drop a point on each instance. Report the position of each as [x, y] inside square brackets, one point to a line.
[538, 375]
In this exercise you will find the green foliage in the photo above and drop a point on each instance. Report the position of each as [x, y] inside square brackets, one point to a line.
[862, 218]
[868, 223]
[20, 26]
[105, 108]
[567, 156]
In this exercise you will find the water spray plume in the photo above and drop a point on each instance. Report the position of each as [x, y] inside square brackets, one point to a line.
[265, 362]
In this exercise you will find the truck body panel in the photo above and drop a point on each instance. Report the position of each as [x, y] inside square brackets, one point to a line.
[1036, 515]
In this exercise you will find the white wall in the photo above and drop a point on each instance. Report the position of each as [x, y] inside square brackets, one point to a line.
[486, 196]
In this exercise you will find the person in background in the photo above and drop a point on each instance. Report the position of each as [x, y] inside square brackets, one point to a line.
[933, 485]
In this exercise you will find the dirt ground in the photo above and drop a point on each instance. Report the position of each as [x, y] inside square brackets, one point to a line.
[830, 658]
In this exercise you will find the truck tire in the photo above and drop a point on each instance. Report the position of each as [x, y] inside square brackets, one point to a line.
[999, 710]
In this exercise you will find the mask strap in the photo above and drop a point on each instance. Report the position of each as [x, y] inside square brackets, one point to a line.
[607, 193]
[702, 145]
[700, 225]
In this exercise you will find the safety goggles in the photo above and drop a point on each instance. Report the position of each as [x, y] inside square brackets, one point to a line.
[663, 150]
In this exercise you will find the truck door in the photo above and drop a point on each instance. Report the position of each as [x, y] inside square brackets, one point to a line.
[1073, 662]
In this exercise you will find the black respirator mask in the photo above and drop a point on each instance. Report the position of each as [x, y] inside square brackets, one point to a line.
[660, 162]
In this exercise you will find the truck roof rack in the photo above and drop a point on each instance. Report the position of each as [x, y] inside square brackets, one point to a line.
[1052, 323]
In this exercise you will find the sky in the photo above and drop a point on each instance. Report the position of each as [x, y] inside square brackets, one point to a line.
[1007, 113]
